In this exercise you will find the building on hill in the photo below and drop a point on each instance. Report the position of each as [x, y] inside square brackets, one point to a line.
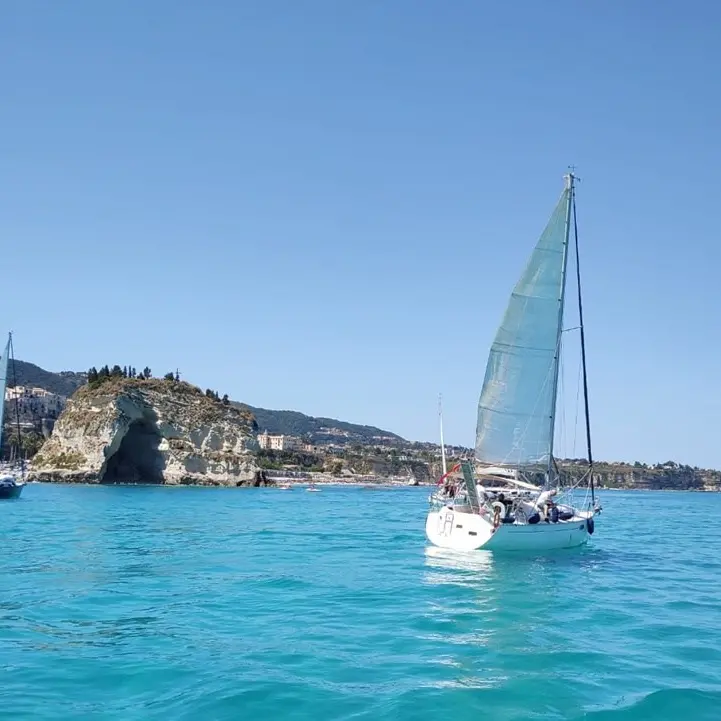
[269, 442]
[36, 401]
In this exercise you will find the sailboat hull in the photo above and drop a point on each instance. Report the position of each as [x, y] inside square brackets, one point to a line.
[11, 490]
[462, 531]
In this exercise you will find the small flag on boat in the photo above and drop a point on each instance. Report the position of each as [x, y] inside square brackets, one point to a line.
[455, 468]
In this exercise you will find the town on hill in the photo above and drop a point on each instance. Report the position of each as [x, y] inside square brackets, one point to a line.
[290, 443]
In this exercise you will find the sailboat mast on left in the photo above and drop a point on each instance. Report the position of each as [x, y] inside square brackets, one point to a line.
[10, 485]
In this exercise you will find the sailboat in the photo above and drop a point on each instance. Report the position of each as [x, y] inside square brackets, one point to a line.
[511, 495]
[10, 485]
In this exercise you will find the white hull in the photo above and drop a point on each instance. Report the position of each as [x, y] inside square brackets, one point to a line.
[451, 528]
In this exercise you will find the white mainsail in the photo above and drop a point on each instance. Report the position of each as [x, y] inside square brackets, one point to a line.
[517, 402]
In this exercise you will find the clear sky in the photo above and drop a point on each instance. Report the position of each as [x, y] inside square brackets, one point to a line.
[323, 205]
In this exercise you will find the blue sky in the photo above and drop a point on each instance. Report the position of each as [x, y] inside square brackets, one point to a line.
[324, 205]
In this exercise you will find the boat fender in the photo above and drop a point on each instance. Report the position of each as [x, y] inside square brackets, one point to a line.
[499, 512]
[590, 526]
[509, 519]
[535, 518]
[554, 515]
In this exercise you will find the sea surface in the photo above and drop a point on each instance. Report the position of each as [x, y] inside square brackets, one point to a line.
[142, 603]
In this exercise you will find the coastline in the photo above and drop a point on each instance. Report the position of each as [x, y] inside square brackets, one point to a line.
[319, 479]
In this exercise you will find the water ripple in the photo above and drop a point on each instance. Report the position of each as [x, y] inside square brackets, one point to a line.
[154, 603]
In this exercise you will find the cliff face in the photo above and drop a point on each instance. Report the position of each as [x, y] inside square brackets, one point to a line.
[148, 431]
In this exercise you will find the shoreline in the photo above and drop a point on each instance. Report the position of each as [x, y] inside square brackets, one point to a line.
[301, 483]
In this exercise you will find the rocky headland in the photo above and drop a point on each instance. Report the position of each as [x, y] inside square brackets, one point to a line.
[148, 430]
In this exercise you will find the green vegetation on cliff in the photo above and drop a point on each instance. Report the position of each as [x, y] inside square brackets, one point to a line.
[209, 403]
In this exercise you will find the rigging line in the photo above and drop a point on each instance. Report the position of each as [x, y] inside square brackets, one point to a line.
[583, 348]
[578, 393]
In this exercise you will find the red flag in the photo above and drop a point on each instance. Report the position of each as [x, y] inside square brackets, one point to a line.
[445, 475]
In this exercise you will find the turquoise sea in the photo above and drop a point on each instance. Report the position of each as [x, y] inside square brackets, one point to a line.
[210, 604]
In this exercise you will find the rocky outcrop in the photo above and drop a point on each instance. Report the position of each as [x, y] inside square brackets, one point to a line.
[149, 431]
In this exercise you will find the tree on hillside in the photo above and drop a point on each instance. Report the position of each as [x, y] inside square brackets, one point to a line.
[226, 400]
[93, 375]
[147, 372]
[169, 376]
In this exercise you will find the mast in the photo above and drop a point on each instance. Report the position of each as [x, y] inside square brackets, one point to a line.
[583, 352]
[17, 406]
[570, 178]
[443, 448]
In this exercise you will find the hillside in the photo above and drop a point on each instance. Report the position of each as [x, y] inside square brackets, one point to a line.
[28, 374]
[320, 430]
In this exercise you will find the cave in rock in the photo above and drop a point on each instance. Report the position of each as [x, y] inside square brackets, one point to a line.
[137, 459]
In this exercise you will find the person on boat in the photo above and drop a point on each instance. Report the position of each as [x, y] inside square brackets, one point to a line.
[449, 488]
[544, 502]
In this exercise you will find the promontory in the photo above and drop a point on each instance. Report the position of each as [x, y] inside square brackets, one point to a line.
[132, 430]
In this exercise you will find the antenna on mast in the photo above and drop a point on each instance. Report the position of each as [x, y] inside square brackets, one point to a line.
[440, 418]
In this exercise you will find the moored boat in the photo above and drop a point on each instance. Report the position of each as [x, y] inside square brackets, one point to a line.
[12, 481]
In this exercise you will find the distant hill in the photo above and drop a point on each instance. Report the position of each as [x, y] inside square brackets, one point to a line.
[28, 374]
[319, 430]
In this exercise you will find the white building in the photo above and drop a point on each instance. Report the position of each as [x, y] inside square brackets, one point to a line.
[268, 442]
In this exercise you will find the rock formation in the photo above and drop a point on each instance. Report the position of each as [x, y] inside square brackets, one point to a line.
[149, 431]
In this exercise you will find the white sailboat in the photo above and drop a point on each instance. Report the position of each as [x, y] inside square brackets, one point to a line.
[11, 486]
[512, 495]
